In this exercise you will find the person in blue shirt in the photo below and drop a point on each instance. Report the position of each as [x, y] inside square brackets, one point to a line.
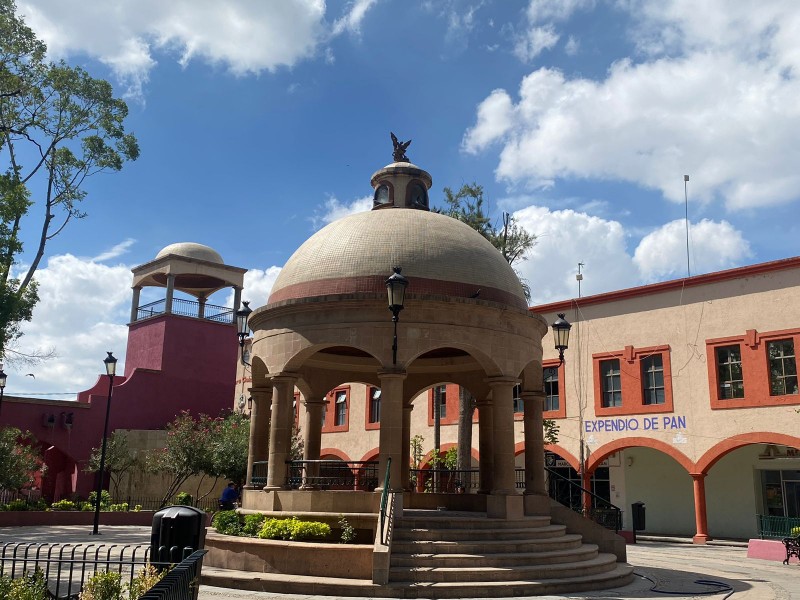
[227, 501]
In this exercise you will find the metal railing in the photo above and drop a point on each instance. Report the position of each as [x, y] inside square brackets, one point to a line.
[28, 496]
[771, 526]
[207, 503]
[258, 476]
[332, 474]
[599, 510]
[384, 499]
[444, 481]
[186, 308]
[66, 568]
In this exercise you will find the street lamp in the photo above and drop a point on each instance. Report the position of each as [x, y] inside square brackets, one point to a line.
[111, 370]
[561, 335]
[242, 328]
[3, 377]
[396, 288]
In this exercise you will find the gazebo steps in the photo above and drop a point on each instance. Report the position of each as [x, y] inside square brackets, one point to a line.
[481, 546]
[403, 533]
[426, 519]
[620, 576]
[452, 560]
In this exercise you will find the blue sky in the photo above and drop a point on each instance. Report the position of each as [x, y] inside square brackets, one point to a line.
[260, 122]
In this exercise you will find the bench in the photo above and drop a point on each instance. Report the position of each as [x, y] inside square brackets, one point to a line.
[792, 548]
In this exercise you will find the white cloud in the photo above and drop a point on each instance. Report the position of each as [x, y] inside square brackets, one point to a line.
[712, 247]
[535, 41]
[115, 251]
[572, 46]
[554, 10]
[244, 37]
[722, 109]
[333, 209]
[257, 286]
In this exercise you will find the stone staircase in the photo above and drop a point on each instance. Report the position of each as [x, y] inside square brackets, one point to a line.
[455, 555]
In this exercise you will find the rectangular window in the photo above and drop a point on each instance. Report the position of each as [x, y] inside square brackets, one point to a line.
[729, 371]
[612, 385]
[782, 368]
[517, 399]
[341, 409]
[653, 379]
[551, 401]
[324, 410]
[440, 396]
[375, 405]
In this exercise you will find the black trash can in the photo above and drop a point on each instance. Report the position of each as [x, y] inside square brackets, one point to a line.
[637, 514]
[177, 532]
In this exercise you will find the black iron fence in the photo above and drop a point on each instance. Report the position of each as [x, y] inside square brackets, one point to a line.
[258, 477]
[66, 568]
[583, 501]
[771, 526]
[332, 474]
[445, 481]
[27, 496]
[208, 503]
[186, 308]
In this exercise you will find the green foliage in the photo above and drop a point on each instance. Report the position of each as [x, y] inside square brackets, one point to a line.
[183, 499]
[16, 505]
[121, 507]
[294, 529]
[227, 522]
[137, 508]
[252, 524]
[105, 499]
[66, 126]
[795, 532]
[64, 505]
[19, 458]
[27, 587]
[87, 506]
[145, 579]
[550, 431]
[348, 533]
[103, 585]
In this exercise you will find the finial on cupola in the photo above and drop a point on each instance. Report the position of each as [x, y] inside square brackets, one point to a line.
[399, 153]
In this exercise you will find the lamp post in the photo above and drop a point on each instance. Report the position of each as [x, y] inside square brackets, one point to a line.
[3, 377]
[111, 370]
[561, 329]
[396, 288]
[242, 328]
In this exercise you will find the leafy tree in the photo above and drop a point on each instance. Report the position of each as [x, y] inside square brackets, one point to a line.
[58, 126]
[120, 459]
[229, 439]
[19, 459]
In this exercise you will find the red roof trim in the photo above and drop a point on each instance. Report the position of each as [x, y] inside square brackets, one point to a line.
[665, 286]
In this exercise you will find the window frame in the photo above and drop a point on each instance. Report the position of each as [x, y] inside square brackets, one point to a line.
[451, 404]
[329, 409]
[631, 381]
[368, 423]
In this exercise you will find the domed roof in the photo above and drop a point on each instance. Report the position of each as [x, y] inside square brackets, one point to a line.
[439, 255]
[192, 250]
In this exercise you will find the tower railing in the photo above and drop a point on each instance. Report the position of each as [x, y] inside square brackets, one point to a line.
[186, 308]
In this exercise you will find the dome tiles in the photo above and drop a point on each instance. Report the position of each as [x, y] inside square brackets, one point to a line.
[438, 254]
[192, 250]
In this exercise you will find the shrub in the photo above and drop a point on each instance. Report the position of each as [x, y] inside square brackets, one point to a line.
[17, 505]
[63, 505]
[27, 587]
[137, 508]
[348, 533]
[121, 507]
[227, 522]
[293, 529]
[87, 506]
[183, 499]
[252, 524]
[795, 531]
[103, 585]
[105, 498]
[145, 579]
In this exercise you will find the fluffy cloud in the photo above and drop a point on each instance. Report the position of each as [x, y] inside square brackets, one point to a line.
[720, 106]
[535, 41]
[245, 37]
[257, 286]
[333, 209]
[567, 237]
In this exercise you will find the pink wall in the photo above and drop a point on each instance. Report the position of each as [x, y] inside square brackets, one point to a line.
[197, 361]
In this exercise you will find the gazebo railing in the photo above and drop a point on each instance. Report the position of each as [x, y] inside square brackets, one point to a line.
[258, 477]
[186, 308]
[332, 474]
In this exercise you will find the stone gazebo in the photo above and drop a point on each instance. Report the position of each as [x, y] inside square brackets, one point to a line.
[465, 321]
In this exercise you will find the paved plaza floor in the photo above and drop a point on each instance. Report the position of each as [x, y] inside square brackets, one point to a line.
[663, 569]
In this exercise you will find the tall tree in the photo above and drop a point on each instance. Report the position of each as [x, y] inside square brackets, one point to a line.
[513, 241]
[19, 459]
[120, 459]
[58, 126]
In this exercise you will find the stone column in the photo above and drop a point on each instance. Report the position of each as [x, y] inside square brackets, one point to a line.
[537, 500]
[137, 290]
[201, 307]
[258, 445]
[486, 462]
[280, 435]
[504, 502]
[391, 433]
[406, 458]
[701, 520]
[312, 437]
[170, 293]
[237, 300]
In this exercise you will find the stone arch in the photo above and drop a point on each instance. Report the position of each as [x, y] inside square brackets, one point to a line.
[371, 455]
[298, 360]
[519, 448]
[258, 371]
[602, 452]
[334, 452]
[716, 452]
[484, 361]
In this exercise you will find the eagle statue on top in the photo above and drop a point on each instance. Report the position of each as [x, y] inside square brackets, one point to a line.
[399, 154]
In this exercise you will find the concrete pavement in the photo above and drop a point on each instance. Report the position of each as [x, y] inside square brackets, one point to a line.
[664, 569]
